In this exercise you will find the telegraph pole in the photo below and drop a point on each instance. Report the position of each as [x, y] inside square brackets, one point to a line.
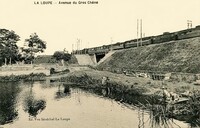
[72, 48]
[143, 35]
[137, 30]
[78, 45]
[111, 41]
[189, 24]
[141, 31]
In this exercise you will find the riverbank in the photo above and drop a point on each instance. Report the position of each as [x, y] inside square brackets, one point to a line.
[89, 77]
[137, 91]
[23, 69]
[174, 56]
[29, 77]
[142, 92]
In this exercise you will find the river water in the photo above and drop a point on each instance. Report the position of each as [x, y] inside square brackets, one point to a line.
[51, 105]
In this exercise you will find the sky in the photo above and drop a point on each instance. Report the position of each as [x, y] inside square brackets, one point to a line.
[109, 21]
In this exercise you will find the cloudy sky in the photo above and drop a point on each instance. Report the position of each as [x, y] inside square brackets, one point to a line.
[108, 21]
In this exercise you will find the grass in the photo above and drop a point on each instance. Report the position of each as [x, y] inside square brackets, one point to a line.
[178, 56]
[150, 85]
[141, 92]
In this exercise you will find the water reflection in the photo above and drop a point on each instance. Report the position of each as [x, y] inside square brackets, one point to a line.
[62, 92]
[32, 105]
[8, 101]
[159, 114]
[140, 118]
[158, 117]
[84, 108]
[154, 119]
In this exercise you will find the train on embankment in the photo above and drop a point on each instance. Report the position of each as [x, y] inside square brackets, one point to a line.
[165, 37]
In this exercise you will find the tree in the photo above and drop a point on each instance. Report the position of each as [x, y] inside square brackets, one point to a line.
[60, 56]
[8, 46]
[34, 45]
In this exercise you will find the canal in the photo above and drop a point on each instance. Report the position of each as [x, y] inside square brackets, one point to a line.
[52, 105]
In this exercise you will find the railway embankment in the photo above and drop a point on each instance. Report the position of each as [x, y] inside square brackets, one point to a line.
[176, 57]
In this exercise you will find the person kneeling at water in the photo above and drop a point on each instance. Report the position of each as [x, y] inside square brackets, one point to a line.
[104, 80]
[174, 96]
[169, 96]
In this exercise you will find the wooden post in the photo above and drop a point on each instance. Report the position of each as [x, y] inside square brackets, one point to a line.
[10, 61]
[141, 32]
[5, 61]
[137, 30]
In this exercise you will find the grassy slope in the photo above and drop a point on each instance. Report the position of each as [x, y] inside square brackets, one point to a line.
[151, 86]
[177, 56]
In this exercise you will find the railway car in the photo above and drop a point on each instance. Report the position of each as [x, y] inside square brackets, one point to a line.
[130, 44]
[190, 33]
[145, 42]
[106, 47]
[164, 38]
[101, 49]
[91, 50]
[84, 51]
[117, 46]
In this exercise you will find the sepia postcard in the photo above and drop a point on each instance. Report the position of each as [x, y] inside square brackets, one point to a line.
[99, 64]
